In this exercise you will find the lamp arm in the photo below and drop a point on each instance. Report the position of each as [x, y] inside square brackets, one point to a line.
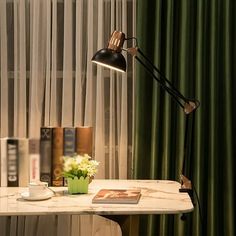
[167, 89]
[163, 76]
[188, 105]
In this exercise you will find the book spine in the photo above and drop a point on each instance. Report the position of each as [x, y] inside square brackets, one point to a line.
[84, 140]
[69, 148]
[0, 163]
[23, 151]
[34, 159]
[57, 156]
[12, 163]
[3, 162]
[46, 155]
[69, 141]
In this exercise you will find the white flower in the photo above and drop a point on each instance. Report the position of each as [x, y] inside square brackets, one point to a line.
[69, 163]
[79, 166]
[78, 159]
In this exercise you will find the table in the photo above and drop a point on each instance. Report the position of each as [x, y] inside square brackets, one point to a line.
[158, 197]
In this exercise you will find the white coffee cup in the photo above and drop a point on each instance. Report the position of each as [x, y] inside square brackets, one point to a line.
[38, 188]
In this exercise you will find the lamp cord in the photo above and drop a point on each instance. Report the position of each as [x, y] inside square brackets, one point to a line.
[199, 207]
[183, 216]
[189, 126]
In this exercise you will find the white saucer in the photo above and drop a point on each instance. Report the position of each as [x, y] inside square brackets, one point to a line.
[26, 196]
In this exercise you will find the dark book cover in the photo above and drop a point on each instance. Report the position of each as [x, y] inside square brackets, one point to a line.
[69, 141]
[84, 140]
[46, 155]
[12, 163]
[119, 196]
[57, 157]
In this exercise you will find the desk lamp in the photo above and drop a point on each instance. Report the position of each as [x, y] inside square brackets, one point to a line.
[112, 58]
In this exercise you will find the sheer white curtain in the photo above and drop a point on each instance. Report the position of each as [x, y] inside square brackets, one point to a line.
[47, 79]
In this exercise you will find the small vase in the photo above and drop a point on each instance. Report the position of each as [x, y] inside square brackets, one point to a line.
[78, 185]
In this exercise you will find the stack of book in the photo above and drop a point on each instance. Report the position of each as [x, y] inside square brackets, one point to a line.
[56, 142]
[25, 160]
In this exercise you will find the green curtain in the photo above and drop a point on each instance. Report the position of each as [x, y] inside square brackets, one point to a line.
[194, 43]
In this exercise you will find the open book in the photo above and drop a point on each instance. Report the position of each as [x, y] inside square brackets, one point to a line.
[128, 196]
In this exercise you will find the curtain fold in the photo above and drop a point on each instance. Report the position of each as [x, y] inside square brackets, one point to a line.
[228, 109]
[79, 76]
[37, 66]
[54, 100]
[48, 57]
[4, 75]
[68, 83]
[20, 108]
[192, 42]
[100, 138]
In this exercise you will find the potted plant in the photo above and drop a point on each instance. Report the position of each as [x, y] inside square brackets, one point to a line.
[79, 170]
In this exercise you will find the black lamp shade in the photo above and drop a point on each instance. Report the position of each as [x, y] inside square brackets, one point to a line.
[111, 59]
